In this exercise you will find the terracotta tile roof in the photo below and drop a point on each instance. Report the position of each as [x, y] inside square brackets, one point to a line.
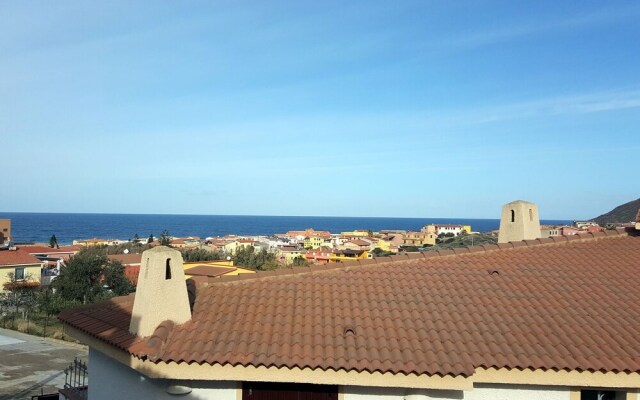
[207, 270]
[360, 242]
[49, 250]
[126, 259]
[566, 303]
[17, 257]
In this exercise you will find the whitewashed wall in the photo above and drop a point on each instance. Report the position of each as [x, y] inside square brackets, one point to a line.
[480, 392]
[108, 379]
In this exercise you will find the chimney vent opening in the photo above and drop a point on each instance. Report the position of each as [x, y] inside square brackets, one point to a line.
[167, 273]
[349, 331]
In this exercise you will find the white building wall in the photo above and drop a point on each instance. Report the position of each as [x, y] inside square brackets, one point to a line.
[109, 379]
[480, 392]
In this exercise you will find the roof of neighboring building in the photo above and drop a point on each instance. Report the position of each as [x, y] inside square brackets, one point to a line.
[285, 249]
[17, 257]
[348, 251]
[565, 303]
[206, 270]
[127, 259]
[50, 250]
[358, 242]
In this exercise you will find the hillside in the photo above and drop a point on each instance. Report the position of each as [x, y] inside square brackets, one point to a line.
[624, 213]
[464, 241]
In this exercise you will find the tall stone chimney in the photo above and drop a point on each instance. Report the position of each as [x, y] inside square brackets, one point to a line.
[161, 293]
[519, 221]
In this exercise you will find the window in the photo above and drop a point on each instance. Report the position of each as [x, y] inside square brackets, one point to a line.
[19, 274]
[530, 215]
[602, 395]
[513, 216]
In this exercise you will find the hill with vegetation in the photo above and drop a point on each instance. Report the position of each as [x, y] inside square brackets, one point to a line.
[475, 239]
[621, 214]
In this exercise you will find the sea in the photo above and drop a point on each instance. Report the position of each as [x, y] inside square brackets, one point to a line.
[38, 227]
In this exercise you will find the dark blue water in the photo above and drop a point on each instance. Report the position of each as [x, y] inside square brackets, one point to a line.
[38, 227]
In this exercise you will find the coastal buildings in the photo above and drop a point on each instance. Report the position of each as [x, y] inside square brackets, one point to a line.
[190, 242]
[446, 229]
[98, 242]
[309, 232]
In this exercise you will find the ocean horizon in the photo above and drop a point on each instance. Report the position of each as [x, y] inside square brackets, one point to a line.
[30, 227]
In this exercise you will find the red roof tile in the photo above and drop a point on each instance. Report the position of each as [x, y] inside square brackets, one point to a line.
[17, 257]
[49, 250]
[207, 270]
[126, 259]
[570, 305]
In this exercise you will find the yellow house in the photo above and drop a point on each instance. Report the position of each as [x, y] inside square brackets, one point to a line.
[18, 267]
[313, 242]
[287, 254]
[386, 245]
[348, 255]
[92, 242]
[419, 239]
[233, 247]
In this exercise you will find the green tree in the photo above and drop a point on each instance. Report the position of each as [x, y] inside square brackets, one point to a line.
[86, 274]
[378, 252]
[261, 260]
[193, 255]
[165, 239]
[115, 279]
[150, 239]
[53, 242]
[136, 238]
[20, 292]
[301, 262]
[130, 247]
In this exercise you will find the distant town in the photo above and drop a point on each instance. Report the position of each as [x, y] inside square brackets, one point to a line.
[213, 257]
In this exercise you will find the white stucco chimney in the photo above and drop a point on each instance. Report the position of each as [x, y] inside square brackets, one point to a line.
[519, 221]
[161, 294]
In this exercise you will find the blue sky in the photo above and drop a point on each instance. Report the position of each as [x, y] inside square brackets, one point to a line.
[359, 108]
